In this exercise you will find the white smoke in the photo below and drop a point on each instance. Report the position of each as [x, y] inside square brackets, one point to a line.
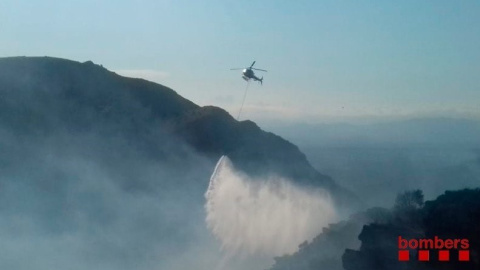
[263, 216]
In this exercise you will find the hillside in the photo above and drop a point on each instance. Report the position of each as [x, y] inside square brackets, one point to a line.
[369, 240]
[42, 96]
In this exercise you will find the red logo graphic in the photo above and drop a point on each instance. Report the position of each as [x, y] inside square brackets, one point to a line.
[424, 246]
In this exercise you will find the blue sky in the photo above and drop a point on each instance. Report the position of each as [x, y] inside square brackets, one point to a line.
[326, 60]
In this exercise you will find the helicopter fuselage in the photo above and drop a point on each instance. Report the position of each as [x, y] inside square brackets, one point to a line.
[249, 74]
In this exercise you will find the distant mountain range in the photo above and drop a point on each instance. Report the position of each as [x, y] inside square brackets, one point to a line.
[43, 96]
[431, 131]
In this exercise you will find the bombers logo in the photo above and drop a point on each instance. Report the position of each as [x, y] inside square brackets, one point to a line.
[425, 245]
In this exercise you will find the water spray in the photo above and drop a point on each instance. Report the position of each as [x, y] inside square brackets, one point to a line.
[267, 216]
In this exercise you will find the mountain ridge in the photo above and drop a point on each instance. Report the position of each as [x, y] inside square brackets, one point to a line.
[45, 93]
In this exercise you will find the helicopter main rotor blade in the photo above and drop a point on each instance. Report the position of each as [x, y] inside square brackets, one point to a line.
[237, 68]
[252, 64]
[259, 69]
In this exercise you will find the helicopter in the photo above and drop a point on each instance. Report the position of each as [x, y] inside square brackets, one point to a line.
[249, 74]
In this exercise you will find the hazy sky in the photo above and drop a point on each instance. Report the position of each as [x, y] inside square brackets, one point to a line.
[325, 59]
